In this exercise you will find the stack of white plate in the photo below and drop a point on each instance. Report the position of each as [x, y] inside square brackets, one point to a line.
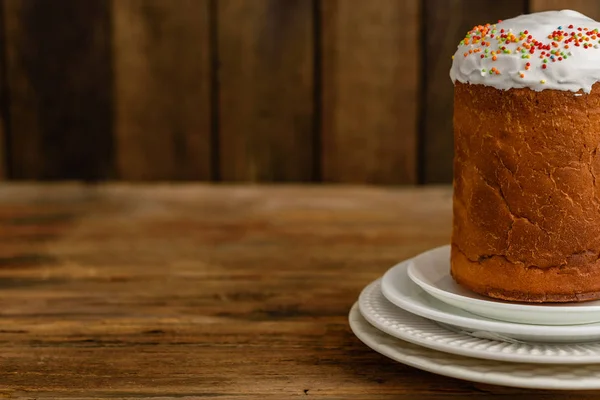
[417, 315]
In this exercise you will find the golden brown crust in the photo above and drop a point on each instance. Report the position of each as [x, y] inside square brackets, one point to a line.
[495, 277]
[526, 201]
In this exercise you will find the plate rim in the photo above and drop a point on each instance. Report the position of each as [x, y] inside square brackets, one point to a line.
[472, 321]
[491, 303]
[463, 373]
[462, 351]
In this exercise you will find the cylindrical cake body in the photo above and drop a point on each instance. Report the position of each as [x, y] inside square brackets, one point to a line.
[527, 193]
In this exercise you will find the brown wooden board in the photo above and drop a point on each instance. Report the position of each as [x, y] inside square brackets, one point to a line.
[591, 8]
[266, 108]
[370, 59]
[59, 75]
[446, 24]
[162, 89]
[3, 100]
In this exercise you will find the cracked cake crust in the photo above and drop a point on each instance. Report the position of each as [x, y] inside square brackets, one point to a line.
[526, 198]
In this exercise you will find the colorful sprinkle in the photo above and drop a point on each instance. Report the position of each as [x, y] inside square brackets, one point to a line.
[505, 42]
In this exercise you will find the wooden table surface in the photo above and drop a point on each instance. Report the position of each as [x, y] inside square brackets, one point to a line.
[185, 291]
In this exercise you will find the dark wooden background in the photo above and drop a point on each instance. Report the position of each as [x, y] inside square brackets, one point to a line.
[235, 90]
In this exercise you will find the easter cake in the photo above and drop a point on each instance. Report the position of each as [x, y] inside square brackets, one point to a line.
[526, 203]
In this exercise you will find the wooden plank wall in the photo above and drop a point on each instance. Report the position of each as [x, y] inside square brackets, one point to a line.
[3, 103]
[162, 102]
[369, 131]
[265, 97]
[60, 89]
[235, 90]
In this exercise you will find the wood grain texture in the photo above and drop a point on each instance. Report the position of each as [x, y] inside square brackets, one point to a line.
[59, 76]
[3, 100]
[441, 44]
[139, 292]
[162, 89]
[370, 90]
[590, 8]
[266, 113]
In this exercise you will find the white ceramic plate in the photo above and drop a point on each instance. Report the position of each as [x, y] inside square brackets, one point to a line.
[532, 376]
[431, 271]
[394, 321]
[398, 288]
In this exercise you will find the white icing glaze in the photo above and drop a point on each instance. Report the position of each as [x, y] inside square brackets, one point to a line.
[578, 71]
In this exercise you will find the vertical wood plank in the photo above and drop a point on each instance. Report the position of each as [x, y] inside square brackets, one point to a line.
[3, 99]
[370, 90]
[162, 89]
[60, 82]
[440, 46]
[266, 113]
[591, 8]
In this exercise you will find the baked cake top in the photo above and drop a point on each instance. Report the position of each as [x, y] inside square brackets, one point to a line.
[546, 50]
